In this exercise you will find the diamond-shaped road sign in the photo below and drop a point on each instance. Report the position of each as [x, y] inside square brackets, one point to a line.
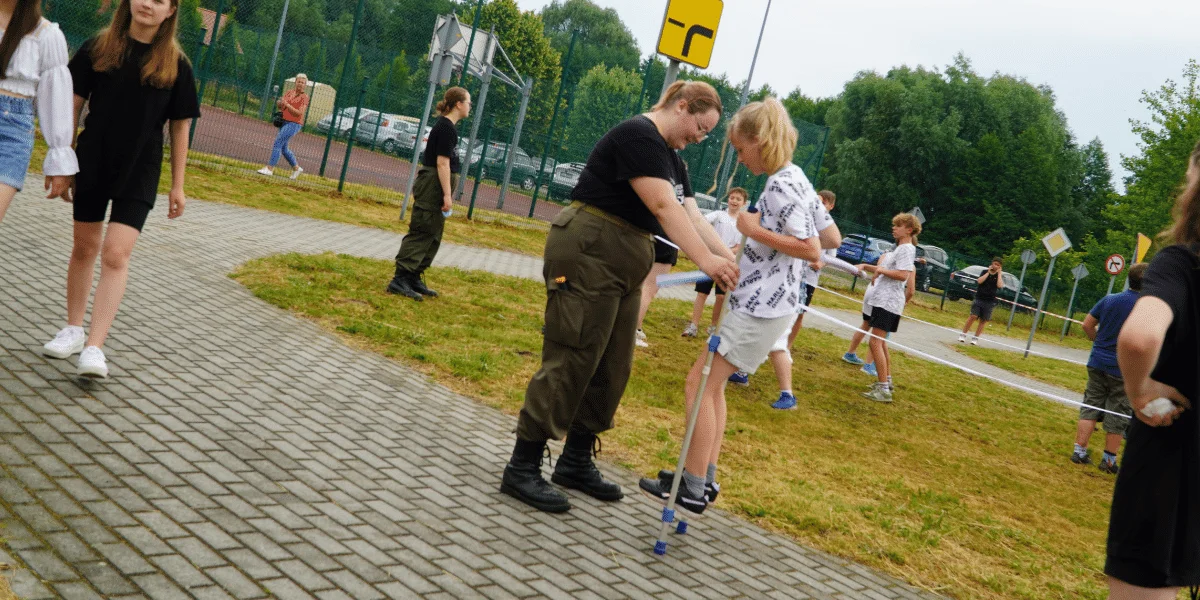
[690, 30]
[1080, 271]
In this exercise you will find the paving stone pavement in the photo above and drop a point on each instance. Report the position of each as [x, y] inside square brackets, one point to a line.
[241, 452]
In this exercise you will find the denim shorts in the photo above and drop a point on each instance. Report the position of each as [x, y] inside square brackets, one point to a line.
[16, 139]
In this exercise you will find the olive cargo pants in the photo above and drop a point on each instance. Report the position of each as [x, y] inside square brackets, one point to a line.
[420, 245]
[594, 267]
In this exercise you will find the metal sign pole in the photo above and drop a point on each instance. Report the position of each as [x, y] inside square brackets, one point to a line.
[526, 91]
[1041, 299]
[1080, 272]
[1027, 258]
[727, 166]
[475, 122]
[1111, 281]
[439, 69]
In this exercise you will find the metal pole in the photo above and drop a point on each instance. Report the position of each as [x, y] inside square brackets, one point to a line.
[379, 120]
[562, 84]
[204, 52]
[946, 285]
[1111, 280]
[471, 43]
[1020, 286]
[1041, 301]
[412, 170]
[320, 74]
[516, 140]
[670, 77]
[1070, 312]
[483, 92]
[341, 86]
[362, 93]
[728, 164]
[274, 56]
[487, 137]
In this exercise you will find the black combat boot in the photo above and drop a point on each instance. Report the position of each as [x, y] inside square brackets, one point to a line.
[417, 283]
[575, 469]
[402, 284]
[523, 479]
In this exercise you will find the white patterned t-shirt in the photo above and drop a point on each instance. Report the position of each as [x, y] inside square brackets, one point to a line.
[769, 286]
[889, 293]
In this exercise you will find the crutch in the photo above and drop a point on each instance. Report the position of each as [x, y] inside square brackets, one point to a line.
[714, 342]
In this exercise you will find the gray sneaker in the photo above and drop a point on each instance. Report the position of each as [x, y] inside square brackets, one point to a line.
[691, 330]
[878, 393]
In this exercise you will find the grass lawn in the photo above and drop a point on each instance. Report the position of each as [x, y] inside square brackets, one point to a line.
[1055, 372]
[961, 487]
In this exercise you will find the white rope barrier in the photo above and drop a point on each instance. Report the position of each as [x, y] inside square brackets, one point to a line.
[987, 340]
[969, 370]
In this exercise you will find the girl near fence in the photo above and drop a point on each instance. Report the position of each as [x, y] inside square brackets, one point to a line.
[33, 74]
[135, 78]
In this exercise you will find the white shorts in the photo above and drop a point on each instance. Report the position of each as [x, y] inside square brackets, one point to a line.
[746, 340]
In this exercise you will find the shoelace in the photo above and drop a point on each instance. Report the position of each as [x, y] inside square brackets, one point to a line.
[546, 455]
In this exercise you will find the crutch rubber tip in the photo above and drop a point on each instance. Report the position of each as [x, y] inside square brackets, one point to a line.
[752, 209]
[668, 515]
[681, 528]
[660, 548]
[714, 342]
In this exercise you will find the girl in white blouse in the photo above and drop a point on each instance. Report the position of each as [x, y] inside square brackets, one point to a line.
[33, 70]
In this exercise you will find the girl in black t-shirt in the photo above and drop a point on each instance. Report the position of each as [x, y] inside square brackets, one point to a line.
[1154, 529]
[134, 77]
[431, 197]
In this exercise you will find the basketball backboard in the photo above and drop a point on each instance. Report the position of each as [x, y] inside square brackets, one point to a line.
[482, 52]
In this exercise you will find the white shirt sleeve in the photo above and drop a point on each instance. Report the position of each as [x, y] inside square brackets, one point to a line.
[905, 258]
[55, 101]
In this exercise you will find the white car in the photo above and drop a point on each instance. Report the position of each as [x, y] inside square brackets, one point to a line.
[345, 120]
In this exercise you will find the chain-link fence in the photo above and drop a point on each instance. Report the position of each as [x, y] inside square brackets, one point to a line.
[366, 99]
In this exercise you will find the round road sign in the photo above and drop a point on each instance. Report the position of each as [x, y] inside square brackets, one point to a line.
[1115, 264]
[1028, 256]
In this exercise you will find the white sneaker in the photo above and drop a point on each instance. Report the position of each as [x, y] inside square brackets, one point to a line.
[962, 337]
[691, 330]
[92, 363]
[266, 171]
[640, 341]
[974, 340]
[66, 342]
[296, 173]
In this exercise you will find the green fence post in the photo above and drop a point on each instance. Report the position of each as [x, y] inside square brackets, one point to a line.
[946, 286]
[320, 64]
[379, 120]
[362, 93]
[562, 84]
[342, 84]
[487, 137]
[199, 93]
[645, 81]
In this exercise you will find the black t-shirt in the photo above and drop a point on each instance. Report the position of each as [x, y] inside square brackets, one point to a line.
[443, 140]
[121, 147]
[630, 150]
[1154, 530]
[987, 289]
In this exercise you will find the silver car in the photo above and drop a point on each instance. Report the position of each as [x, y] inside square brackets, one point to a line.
[385, 131]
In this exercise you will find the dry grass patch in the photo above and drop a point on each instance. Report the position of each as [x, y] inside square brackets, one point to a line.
[962, 486]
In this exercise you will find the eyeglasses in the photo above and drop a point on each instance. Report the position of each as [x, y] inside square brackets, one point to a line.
[703, 132]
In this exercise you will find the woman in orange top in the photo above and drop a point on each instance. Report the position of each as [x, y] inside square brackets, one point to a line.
[292, 104]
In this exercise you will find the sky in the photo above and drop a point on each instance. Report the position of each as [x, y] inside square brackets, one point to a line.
[1098, 56]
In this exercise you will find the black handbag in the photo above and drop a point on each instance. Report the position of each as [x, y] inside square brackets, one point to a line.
[277, 118]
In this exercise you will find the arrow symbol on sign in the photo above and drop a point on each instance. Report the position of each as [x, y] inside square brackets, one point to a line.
[693, 31]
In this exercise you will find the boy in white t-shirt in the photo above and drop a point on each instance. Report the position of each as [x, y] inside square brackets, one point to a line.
[781, 235]
[888, 299]
[724, 222]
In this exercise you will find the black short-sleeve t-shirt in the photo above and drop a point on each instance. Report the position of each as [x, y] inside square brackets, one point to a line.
[1154, 530]
[632, 149]
[121, 147]
[987, 289]
[443, 140]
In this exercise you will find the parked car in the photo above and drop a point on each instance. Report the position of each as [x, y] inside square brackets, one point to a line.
[934, 270]
[524, 171]
[345, 120]
[566, 177]
[964, 283]
[385, 131]
[860, 249]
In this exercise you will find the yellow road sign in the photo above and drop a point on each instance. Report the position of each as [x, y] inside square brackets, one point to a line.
[1057, 242]
[690, 30]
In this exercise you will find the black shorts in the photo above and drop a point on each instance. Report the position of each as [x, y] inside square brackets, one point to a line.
[706, 288]
[882, 319]
[809, 290]
[664, 254]
[91, 209]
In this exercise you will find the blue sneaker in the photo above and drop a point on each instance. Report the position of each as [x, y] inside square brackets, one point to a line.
[740, 378]
[853, 359]
[786, 401]
[869, 369]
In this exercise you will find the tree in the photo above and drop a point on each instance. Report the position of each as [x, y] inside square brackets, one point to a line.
[601, 101]
[603, 40]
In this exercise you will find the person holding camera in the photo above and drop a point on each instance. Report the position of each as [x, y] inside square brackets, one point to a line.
[292, 106]
[985, 300]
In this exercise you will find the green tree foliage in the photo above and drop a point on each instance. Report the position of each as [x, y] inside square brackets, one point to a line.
[601, 101]
[988, 159]
[603, 40]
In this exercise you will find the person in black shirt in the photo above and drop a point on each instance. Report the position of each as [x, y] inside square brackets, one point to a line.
[985, 300]
[1154, 529]
[135, 78]
[431, 198]
[597, 254]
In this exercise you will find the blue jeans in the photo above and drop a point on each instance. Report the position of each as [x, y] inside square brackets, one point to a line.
[16, 140]
[286, 133]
